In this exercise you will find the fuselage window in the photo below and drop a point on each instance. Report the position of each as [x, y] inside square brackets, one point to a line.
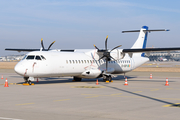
[73, 61]
[90, 61]
[76, 61]
[43, 57]
[79, 61]
[38, 57]
[82, 61]
[87, 61]
[30, 57]
[67, 61]
[70, 61]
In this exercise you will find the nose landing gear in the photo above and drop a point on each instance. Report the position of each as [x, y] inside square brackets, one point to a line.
[28, 80]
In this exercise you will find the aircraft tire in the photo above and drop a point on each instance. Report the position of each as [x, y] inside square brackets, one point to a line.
[29, 82]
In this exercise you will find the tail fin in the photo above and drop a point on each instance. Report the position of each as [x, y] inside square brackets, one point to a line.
[142, 39]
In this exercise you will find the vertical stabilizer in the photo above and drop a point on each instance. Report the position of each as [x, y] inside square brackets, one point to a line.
[141, 41]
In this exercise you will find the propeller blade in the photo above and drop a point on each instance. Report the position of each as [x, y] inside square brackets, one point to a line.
[106, 63]
[102, 57]
[96, 47]
[42, 43]
[51, 45]
[116, 47]
[106, 42]
[112, 58]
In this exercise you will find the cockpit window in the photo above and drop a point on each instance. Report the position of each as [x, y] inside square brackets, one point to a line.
[30, 57]
[38, 57]
[43, 57]
[24, 57]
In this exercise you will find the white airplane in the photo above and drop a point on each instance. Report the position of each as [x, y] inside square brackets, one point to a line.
[85, 63]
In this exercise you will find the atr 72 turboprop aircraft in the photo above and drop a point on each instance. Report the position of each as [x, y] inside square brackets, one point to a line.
[85, 63]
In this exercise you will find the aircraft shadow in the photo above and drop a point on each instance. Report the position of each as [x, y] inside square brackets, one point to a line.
[144, 96]
[69, 80]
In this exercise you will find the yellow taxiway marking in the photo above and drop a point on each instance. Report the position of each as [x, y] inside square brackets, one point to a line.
[25, 104]
[168, 88]
[172, 105]
[155, 90]
[93, 96]
[96, 95]
[116, 94]
[61, 100]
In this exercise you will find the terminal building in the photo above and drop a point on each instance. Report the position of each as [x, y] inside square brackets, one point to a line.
[164, 56]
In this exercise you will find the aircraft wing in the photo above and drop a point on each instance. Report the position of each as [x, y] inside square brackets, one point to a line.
[149, 50]
[25, 50]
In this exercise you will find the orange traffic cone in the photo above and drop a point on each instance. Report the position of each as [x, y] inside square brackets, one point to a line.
[150, 76]
[37, 80]
[126, 81]
[2, 77]
[167, 84]
[97, 82]
[6, 83]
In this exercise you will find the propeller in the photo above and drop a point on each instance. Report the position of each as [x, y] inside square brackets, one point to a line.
[106, 52]
[48, 47]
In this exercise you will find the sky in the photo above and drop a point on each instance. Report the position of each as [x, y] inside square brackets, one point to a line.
[80, 24]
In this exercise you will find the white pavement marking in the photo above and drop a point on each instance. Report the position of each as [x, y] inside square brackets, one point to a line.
[3, 118]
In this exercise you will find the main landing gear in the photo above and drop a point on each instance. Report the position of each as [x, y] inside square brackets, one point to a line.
[107, 78]
[26, 80]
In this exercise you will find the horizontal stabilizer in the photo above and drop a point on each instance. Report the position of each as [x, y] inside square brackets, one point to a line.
[149, 50]
[146, 30]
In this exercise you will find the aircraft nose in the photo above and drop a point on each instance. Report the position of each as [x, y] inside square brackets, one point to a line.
[19, 69]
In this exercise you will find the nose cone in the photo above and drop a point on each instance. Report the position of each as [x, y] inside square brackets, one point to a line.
[19, 69]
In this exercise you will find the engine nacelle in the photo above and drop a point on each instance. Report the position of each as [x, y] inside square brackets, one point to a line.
[117, 54]
[91, 73]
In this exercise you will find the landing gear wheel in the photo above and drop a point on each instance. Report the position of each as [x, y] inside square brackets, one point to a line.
[109, 78]
[104, 78]
[29, 82]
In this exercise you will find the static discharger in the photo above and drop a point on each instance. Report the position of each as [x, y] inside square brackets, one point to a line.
[6, 83]
[126, 81]
[150, 76]
[167, 84]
